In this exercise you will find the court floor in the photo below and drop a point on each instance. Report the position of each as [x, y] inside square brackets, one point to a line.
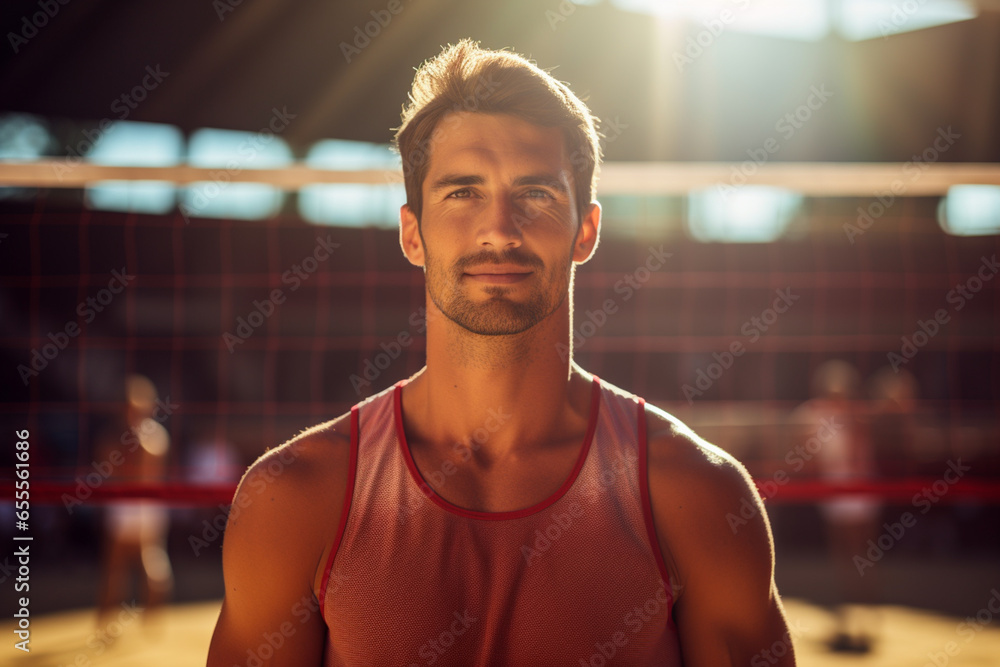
[179, 636]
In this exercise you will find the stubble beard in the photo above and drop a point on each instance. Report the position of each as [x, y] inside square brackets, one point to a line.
[500, 314]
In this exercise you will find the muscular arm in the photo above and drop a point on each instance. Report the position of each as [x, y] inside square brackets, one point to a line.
[274, 545]
[717, 542]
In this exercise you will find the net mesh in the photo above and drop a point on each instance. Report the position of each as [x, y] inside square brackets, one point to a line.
[254, 330]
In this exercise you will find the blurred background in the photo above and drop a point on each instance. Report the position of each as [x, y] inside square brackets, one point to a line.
[201, 194]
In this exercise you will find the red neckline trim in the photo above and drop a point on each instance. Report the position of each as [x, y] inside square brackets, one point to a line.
[595, 403]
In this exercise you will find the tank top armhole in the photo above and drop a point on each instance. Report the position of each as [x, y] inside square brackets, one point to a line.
[647, 511]
[352, 466]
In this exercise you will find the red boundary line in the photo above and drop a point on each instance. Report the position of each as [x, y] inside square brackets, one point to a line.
[53, 492]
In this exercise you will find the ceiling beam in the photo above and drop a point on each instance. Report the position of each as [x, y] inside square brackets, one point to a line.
[818, 179]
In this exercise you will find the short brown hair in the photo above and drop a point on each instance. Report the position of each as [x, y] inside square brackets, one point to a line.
[465, 77]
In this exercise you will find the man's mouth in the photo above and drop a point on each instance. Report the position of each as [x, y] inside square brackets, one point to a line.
[499, 273]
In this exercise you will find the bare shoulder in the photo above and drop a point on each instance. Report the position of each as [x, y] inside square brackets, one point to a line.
[292, 494]
[706, 507]
[277, 532]
[318, 455]
[681, 458]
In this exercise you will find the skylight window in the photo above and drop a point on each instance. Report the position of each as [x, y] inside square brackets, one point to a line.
[231, 152]
[131, 144]
[808, 20]
[749, 214]
[970, 210]
[352, 204]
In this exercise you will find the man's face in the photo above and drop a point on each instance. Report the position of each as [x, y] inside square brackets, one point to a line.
[499, 231]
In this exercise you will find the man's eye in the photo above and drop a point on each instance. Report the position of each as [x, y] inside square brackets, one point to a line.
[539, 194]
[461, 194]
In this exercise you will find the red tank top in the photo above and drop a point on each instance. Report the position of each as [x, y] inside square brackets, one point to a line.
[576, 579]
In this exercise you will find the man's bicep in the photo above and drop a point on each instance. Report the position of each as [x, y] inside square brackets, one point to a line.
[728, 627]
[269, 612]
[731, 612]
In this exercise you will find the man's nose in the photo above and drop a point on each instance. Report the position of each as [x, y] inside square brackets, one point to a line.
[499, 225]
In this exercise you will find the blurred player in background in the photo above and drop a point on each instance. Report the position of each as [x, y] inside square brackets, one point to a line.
[846, 455]
[135, 531]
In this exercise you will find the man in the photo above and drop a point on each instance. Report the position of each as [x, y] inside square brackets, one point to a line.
[847, 455]
[135, 532]
[501, 506]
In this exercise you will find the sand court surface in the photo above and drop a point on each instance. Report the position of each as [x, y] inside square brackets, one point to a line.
[179, 635]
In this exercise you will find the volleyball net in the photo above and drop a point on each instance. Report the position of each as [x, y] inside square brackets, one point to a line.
[253, 330]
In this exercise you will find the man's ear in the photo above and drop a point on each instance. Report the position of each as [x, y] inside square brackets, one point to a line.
[588, 234]
[409, 236]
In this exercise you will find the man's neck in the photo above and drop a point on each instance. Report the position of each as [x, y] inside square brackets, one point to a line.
[503, 396]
